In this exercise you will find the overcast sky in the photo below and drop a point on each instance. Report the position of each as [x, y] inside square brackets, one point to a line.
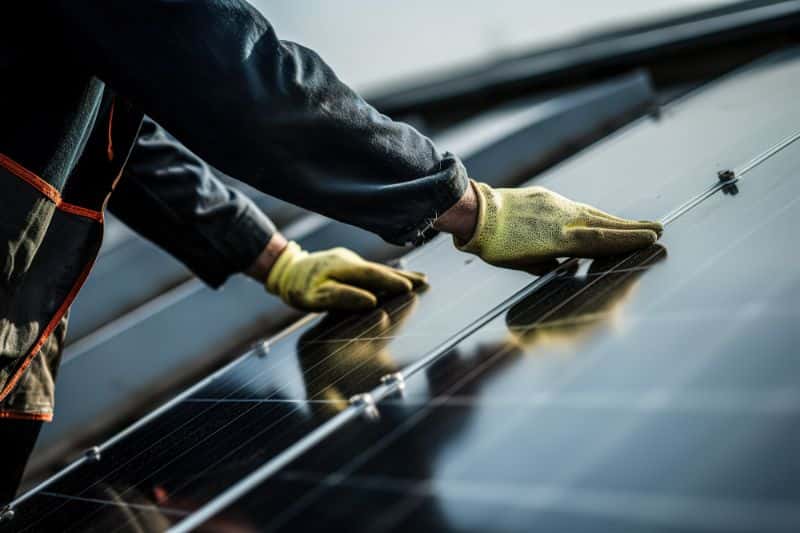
[374, 43]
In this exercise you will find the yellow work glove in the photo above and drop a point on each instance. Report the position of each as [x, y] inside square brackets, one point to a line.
[520, 228]
[335, 279]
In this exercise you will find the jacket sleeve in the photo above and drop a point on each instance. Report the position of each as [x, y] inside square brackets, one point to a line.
[265, 111]
[173, 198]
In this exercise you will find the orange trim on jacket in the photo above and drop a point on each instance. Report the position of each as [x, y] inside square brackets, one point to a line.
[48, 190]
[62, 309]
[21, 415]
[52, 193]
[110, 146]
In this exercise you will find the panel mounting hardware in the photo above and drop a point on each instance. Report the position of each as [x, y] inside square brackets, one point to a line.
[262, 348]
[93, 454]
[396, 381]
[726, 175]
[367, 403]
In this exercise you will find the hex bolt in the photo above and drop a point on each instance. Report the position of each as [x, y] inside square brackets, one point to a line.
[93, 454]
[367, 403]
[726, 175]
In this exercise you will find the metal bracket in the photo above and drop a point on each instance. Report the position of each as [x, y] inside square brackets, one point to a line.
[367, 403]
[395, 381]
[6, 514]
[93, 454]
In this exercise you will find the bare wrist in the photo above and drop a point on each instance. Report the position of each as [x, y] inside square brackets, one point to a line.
[261, 267]
[460, 220]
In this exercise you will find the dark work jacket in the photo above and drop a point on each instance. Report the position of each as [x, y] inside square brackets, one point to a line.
[174, 198]
[213, 72]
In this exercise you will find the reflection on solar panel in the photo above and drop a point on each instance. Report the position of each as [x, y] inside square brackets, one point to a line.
[650, 392]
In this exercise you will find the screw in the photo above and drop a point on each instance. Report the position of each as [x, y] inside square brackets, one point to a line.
[395, 380]
[726, 175]
[261, 348]
[93, 454]
[367, 402]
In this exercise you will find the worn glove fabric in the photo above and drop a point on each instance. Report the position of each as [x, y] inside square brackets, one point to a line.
[520, 228]
[335, 279]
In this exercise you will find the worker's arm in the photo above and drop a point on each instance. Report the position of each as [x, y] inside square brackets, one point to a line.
[174, 199]
[265, 111]
[272, 113]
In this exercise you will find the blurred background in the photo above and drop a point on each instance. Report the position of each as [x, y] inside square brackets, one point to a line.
[378, 47]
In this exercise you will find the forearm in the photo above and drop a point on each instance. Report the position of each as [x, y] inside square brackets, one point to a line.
[460, 220]
[170, 196]
[261, 267]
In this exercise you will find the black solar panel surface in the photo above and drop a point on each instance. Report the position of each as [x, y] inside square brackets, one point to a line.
[655, 391]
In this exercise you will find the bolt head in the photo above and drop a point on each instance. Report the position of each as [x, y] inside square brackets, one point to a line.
[93, 453]
[726, 175]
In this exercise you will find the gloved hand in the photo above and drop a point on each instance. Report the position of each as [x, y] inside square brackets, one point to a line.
[520, 228]
[335, 279]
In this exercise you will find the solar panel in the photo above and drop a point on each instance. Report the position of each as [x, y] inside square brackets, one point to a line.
[657, 392]
[654, 391]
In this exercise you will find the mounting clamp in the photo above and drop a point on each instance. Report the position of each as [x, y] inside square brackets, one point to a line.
[93, 454]
[396, 381]
[367, 403]
[726, 175]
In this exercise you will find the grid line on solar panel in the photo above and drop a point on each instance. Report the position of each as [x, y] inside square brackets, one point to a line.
[144, 507]
[778, 401]
[716, 514]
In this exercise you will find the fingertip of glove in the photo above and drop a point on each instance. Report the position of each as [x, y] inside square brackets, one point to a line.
[649, 237]
[417, 279]
[655, 226]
